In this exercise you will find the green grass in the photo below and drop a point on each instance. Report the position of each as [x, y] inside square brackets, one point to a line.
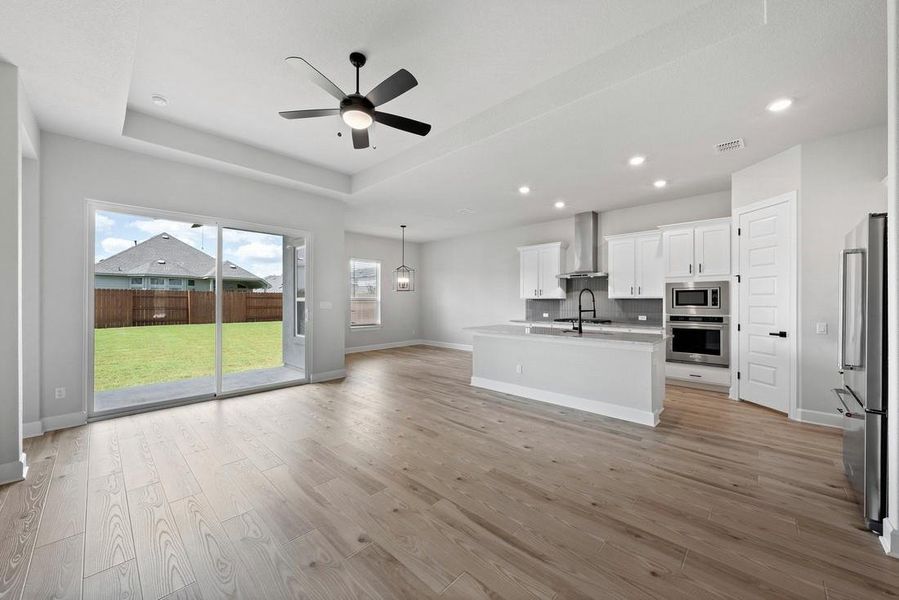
[129, 356]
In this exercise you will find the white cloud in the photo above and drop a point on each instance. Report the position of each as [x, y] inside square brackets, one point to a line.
[102, 222]
[113, 245]
[259, 251]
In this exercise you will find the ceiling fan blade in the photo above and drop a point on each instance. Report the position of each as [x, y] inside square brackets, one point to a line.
[399, 83]
[315, 76]
[306, 114]
[360, 138]
[402, 123]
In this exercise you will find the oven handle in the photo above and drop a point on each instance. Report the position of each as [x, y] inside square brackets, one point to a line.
[720, 326]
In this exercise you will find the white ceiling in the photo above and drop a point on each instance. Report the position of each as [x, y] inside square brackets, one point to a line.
[556, 94]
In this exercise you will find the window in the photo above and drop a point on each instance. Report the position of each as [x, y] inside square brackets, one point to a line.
[137, 282]
[365, 293]
[300, 285]
[157, 282]
[191, 283]
[176, 283]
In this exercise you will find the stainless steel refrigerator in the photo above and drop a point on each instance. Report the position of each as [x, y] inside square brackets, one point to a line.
[862, 363]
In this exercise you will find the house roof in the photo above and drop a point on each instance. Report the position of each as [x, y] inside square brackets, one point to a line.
[164, 255]
[275, 283]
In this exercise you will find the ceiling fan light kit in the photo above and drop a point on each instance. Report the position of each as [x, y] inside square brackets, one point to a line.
[356, 110]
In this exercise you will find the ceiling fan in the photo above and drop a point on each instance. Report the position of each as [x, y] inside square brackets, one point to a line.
[356, 110]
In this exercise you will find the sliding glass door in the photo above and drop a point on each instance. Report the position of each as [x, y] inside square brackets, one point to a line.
[184, 310]
[260, 345]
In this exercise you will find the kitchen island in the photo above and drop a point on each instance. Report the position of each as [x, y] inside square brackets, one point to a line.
[616, 374]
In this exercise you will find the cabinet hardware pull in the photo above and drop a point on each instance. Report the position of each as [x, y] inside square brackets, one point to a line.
[632, 290]
[638, 290]
[700, 267]
[691, 268]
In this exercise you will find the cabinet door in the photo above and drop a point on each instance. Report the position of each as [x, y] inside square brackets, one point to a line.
[530, 273]
[622, 264]
[650, 267]
[550, 267]
[712, 250]
[677, 250]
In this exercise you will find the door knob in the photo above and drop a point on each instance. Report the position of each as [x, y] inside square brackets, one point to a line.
[778, 333]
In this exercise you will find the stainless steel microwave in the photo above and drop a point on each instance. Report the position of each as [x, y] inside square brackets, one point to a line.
[697, 298]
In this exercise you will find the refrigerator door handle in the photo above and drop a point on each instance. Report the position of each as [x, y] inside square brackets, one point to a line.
[859, 304]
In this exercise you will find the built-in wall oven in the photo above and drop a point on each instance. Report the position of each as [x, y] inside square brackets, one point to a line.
[698, 327]
[699, 339]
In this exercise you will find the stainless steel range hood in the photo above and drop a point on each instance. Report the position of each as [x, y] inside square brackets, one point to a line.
[586, 244]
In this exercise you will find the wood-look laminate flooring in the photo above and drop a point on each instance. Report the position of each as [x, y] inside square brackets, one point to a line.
[402, 481]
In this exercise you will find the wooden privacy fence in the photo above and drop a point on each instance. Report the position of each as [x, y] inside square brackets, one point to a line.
[133, 308]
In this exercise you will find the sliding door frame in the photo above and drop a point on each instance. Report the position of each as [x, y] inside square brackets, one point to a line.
[91, 208]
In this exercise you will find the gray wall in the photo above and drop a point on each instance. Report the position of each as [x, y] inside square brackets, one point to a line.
[73, 171]
[650, 216]
[838, 180]
[31, 292]
[400, 311]
[841, 182]
[473, 280]
[10, 181]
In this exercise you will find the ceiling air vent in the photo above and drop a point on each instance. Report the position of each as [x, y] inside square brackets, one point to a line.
[729, 146]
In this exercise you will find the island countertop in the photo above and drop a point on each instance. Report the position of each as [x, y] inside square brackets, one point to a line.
[557, 335]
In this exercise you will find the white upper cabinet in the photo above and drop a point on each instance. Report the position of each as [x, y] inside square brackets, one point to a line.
[635, 266]
[540, 267]
[712, 249]
[698, 250]
[650, 266]
[677, 250]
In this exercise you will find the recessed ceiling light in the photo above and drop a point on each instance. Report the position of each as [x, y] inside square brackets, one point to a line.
[636, 161]
[660, 183]
[559, 204]
[524, 190]
[780, 104]
[159, 100]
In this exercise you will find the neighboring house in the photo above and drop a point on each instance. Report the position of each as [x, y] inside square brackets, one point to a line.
[164, 262]
[275, 284]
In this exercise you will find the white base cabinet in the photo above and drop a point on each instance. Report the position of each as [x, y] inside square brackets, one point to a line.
[540, 268]
[636, 268]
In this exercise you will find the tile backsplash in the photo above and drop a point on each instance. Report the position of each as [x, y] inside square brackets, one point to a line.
[617, 310]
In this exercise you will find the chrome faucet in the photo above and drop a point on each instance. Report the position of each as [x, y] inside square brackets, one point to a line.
[581, 310]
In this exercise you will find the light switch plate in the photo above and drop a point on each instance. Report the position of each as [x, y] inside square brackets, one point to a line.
[821, 328]
[545, 315]
[641, 317]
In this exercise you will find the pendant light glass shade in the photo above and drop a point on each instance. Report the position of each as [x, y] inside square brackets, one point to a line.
[404, 276]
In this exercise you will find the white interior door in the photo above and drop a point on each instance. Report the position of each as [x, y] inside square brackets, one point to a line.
[766, 300]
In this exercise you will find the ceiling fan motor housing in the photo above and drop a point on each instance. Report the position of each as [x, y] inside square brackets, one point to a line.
[352, 109]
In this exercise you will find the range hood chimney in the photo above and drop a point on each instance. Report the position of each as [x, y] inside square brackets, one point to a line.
[586, 244]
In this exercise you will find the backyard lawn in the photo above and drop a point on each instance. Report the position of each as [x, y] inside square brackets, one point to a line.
[129, 356]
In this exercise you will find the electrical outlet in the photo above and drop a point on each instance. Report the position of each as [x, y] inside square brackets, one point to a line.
[641, 317]
[545, 315]
[821, 328]
[518, 369]
[60, 393]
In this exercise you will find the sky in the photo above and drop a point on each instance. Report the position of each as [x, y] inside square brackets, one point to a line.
[258, 253]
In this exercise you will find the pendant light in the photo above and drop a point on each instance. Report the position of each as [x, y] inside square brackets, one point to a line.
[403, 276]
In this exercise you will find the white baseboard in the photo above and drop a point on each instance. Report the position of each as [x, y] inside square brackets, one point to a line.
[594, 406]
[328, 376]
[450, 345]
[63, 421]
[817, 417]
[890, 538]
[32, 429]
[14, 471]
[386, 346]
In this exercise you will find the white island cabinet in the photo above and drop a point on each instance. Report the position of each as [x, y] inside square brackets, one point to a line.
[620, 375]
